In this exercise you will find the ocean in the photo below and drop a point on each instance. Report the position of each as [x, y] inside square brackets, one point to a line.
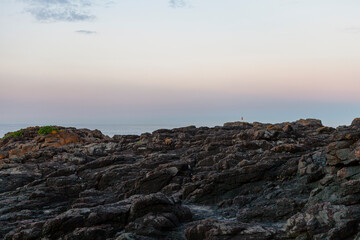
[106, 129]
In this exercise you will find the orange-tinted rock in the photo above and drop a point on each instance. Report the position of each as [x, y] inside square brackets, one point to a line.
[291, 148]
[60, 138]
[67, 138]
[3, 155]
[287, 128]
[325, 129]
[51, 140]
[168, 141]
[27, 147]
[310, 122]
[15, 152]
[356, 122]
[274, 127]
[22, 150]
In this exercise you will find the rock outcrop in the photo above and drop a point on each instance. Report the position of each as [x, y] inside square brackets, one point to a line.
[297, 180]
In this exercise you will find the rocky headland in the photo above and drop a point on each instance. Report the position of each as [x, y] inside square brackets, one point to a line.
[298, 180]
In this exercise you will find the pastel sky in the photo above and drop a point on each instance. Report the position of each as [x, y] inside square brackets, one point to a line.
[198, 62]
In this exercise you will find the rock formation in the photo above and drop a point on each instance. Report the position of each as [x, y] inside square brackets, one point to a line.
[297, 180]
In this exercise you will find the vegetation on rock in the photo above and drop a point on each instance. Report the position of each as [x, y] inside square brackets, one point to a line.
[13, 134]
[47, 130]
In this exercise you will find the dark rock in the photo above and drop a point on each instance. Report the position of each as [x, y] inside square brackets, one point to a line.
[355, 122]
[296, 180]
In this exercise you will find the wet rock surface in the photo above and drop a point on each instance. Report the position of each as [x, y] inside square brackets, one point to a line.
[297, 180]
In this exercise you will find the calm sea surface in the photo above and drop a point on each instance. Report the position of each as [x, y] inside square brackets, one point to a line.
[107, 129]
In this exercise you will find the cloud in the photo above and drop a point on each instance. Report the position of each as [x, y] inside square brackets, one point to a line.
[74, 10]
[87, 32]
[177, 3]
[60, 10]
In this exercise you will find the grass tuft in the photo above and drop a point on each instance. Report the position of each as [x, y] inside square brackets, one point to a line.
[13, 134]
[47, 130]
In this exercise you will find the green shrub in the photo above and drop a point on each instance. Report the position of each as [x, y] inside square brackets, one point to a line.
[46, 130]
[14, 134]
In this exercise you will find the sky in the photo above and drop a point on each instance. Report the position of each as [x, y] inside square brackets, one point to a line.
[200, 62]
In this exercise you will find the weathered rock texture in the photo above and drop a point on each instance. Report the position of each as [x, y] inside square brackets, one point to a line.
[296, 180]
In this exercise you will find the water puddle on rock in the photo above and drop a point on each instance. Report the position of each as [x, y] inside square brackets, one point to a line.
[200, 212]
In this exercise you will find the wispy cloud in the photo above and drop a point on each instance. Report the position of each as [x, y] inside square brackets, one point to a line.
[177, 3]
[87, 32]
[74, 10]
[60, 10]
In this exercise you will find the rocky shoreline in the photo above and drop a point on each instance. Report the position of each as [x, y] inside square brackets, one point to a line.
[297, 180]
